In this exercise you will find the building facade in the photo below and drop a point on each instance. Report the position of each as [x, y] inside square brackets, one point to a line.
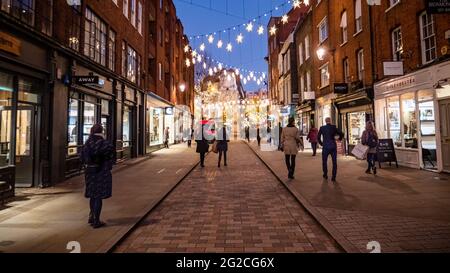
[66, 67]
[413, 82]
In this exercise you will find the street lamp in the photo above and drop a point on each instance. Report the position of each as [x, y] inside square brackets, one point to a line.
[321, 53]
[182, 87]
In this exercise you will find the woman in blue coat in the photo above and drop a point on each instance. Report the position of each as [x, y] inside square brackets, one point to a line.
[222, 145]
[98, 158]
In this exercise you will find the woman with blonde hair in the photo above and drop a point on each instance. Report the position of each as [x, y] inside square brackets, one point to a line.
[370, 138]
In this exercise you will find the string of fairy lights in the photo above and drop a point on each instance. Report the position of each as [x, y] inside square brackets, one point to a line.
[214, 39]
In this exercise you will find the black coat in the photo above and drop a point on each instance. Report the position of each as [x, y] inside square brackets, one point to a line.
[202, 146]
[222, 140]
[98, 156]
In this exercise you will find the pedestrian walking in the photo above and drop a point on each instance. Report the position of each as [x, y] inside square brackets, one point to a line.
[258, 136]
[191, 136]
[166, 137]
[290, 141]
[247, 133]
[312, 138]
[222, 145]
[97, 156]
[202, 145]
[370, 138]
[269, 135]
[329, 132]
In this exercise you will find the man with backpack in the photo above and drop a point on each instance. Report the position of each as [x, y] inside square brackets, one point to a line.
[370, 139]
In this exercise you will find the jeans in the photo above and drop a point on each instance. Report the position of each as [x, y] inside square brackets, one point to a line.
[325, 153]
[202, 159]
[290, 164]
[224, 157]
[371, 159]
[96, 208]
[314, 148]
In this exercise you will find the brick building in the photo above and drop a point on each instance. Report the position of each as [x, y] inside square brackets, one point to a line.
[66, 65]
[412, 93]
[305, 111]
[283, 90]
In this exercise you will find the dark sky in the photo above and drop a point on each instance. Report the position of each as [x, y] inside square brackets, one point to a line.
[198, 18]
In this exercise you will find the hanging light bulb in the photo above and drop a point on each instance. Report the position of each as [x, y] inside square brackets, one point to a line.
[229, 78]
[188, 62]
[237, 71]
[202, 47]
[245, 81]
[220, 66]
[285, 19]
[194, 53]
[186, 48]
[252, 74]
[273, 30]
[229, 47]
[240, 38]
[215, 69]
[219, 44]
[211, 71]
[204, 65]
[249, 27]
[193, 60]
[260, 30]
[296, 3]
[211, 39]
[199, 58]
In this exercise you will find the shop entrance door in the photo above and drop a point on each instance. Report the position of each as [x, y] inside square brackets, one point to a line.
[444, 108]
[25, 139]
[25, 148]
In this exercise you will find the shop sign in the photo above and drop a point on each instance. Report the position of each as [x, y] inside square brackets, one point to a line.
[340, 88]
[393, 68]
[309, 95]
[386, 151]
[438, 6]
[10, 44]
[89, 81]
[169, 111]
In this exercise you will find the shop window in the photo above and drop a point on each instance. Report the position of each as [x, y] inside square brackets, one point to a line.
[6, 91]
[156, 126]
[74, 106]
[132, 64]
[427, 129]
[356, 126]
[394, 120]
[126, 127]
[409, 120]
[89, 116]
[105, 117]
[73, 29]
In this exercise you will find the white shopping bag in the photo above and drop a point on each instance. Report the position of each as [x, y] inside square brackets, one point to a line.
[360, 151]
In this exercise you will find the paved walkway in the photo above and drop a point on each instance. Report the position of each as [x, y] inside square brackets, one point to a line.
[45, 220]
[239, 208]
[405, 210]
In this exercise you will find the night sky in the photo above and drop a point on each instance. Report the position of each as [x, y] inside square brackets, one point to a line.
[198, 19]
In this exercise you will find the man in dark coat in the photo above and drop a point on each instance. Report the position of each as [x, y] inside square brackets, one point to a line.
[328, 133]
[222, 144]
[202, 144]
[97, 156]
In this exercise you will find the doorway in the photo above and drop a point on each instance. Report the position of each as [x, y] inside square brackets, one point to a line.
[25, 142]
[444, 110]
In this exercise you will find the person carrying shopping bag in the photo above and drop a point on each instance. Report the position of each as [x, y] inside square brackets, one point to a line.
[370, 138]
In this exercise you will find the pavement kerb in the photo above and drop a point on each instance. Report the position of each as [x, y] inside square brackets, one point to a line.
[111, 244]
[346, 245]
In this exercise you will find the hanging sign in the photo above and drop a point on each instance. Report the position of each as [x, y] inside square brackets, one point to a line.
[438, 6]
[340, 88]
[393, 68]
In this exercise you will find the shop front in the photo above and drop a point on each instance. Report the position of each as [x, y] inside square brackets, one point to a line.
[24, 104]
[325, 109]
[90, 102]
[306, 114]
[159, 115]
[413, 111]
[354, 111]
[183, 120]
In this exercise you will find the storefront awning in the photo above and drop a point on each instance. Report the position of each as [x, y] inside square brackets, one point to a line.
[362, 97]
[154, 100]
